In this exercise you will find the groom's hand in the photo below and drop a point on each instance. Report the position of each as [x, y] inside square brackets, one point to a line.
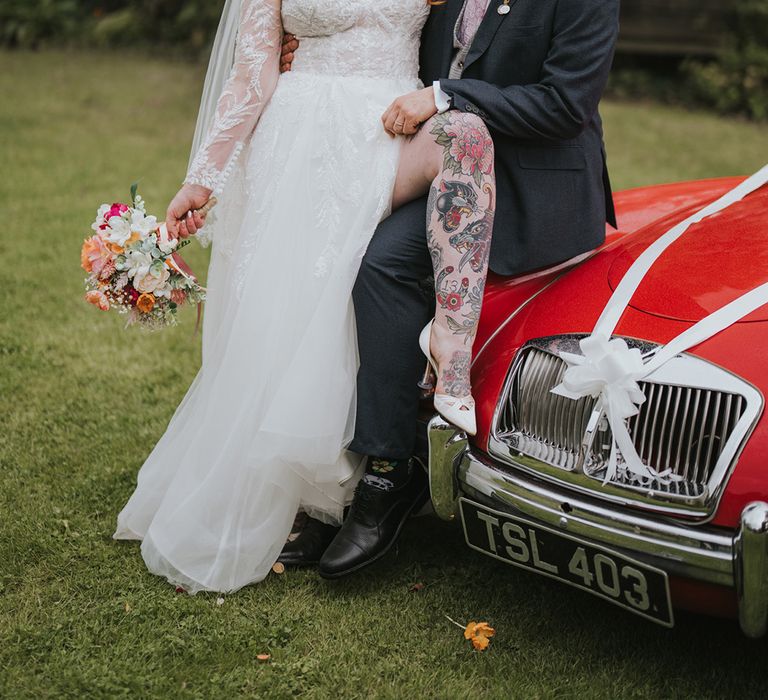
[290, 44]
[407, 113]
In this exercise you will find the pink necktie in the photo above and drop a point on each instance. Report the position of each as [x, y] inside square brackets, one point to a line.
[474, 11]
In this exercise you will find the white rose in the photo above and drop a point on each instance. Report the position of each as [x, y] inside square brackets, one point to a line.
[138, 263]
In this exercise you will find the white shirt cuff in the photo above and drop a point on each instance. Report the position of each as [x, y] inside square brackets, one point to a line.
[442, 100]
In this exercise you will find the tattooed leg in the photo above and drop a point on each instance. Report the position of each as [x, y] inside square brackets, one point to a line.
[452, 157]
[459, 225]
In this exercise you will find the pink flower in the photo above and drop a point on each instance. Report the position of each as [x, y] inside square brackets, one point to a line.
[116, 209]
[105, 212]
[95, 255]
[98, 298]
[107, 270]
[471, 148]
[178, 296]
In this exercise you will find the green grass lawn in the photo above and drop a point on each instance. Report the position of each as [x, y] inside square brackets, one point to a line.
[82, 402]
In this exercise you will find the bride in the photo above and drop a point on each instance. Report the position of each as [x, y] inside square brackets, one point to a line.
[342, 138]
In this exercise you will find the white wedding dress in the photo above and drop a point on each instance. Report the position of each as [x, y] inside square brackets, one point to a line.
[262, 430]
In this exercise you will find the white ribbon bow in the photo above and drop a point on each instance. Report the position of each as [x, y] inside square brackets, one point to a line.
[610, 371]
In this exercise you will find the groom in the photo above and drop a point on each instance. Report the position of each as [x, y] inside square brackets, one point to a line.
[534, 72]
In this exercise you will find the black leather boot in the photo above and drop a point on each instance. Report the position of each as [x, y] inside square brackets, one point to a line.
[373, 524]
[309, 546]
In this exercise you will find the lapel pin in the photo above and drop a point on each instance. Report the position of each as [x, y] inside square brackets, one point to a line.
[504, 9]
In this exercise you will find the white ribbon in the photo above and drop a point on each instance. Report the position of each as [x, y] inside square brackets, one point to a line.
[610, 371]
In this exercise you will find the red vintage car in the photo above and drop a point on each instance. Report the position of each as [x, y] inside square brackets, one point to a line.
[532, 488]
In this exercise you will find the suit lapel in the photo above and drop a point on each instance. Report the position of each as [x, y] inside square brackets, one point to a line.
[451, 16]
[486, 31]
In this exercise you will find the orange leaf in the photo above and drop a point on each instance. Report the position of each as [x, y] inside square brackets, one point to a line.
[479, 633]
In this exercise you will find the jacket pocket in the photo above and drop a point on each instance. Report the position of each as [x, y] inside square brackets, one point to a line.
[552, 158]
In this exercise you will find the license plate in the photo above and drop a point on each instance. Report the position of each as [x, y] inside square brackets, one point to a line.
[635, 586]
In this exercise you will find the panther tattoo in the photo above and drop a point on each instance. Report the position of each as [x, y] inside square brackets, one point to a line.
[474, 241]
[454, 200]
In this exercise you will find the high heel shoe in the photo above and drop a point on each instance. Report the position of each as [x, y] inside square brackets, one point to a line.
[459, 410]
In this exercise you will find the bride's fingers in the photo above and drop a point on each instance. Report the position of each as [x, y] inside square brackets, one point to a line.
[198, 219]
[394, 121]
[410, 128]
[189, 222]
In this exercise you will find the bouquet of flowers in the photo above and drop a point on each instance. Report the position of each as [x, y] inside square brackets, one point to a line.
[133, 266]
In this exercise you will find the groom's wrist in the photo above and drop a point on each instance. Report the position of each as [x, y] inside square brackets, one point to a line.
[442, 99]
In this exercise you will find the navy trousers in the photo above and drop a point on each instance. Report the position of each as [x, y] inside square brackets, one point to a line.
[394, 299]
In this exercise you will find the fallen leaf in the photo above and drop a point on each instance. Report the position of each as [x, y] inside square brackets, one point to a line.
[416, 587]
[278, 568]
[263, 657]
[128, 607]
[479, 633]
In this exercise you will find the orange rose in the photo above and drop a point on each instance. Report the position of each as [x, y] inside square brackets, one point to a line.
[145, 303]
[85, 261]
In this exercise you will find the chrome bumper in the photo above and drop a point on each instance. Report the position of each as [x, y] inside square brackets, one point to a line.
[738, 560]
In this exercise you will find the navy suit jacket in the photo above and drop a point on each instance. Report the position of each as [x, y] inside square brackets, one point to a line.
[535, 76]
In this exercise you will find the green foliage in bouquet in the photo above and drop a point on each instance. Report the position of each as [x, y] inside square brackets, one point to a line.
[737, 81]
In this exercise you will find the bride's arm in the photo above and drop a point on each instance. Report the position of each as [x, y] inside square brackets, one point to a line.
[250, 84]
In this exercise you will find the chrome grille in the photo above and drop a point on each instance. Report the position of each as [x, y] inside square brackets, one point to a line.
[548, 427]
[684, 429]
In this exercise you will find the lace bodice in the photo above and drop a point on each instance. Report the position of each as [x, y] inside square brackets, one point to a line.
[369, 38]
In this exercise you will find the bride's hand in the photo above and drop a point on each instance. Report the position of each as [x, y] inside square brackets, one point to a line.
[181, 219]
[407, 113]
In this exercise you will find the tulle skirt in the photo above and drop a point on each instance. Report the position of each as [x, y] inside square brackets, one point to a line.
[262, 430]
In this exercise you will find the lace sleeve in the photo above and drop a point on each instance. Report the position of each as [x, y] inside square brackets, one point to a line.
[250, 84]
